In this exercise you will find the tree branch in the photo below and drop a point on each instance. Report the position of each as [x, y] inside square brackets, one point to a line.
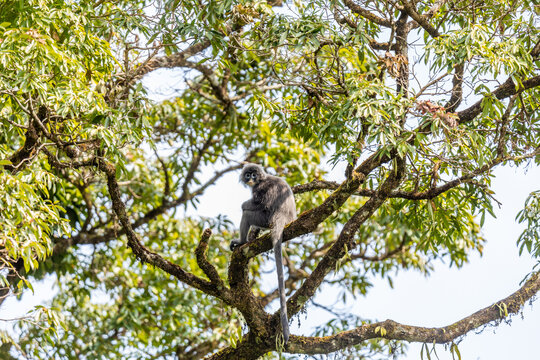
[357, 9]
[345, 241]
[61, 245]
[172, 61]
[402, 57]
[345, 20]
[409, 195]
[147, 256]
[507, 89]
[396, 331]
[381, 257]
[31, 143]
[421, 20]
[457, 89]
[202, 261]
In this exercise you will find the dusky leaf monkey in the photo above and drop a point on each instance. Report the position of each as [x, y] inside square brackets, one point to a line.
[271, 207]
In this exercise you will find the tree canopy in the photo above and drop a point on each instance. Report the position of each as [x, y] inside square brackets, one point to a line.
[419, 101]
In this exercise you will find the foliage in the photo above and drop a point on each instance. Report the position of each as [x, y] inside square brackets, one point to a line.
[418, 101]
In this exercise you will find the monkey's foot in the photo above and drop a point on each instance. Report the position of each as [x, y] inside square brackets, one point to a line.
[234, 244]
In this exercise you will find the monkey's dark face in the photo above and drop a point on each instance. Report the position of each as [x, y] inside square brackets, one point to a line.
[252, 174]
[251, 178]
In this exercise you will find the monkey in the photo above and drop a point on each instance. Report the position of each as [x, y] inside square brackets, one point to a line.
[271, 206]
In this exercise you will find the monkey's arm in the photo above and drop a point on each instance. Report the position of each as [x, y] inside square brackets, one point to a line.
[256, 218]
[251, 219]
[251, 205]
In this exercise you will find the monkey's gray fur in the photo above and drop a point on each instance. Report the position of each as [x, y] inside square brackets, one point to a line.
[271, 207]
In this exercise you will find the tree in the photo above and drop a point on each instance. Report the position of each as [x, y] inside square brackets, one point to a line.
[420, 100]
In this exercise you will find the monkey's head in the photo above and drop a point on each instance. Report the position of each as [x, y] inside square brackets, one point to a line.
[252, 174]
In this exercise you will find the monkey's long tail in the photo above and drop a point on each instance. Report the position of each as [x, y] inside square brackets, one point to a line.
[277, 233]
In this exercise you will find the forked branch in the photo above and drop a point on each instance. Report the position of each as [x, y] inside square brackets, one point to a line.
[144, 254]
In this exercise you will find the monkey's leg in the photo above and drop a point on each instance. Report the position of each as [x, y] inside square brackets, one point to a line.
[250, 219]
[245, 225]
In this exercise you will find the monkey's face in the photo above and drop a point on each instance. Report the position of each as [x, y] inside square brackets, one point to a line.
[252, 174]
[250, 178]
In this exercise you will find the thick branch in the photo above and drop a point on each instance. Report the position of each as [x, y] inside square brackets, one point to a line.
[395, 331]
[402, 56]
[420, 19]
[357, 9]
[249, 348]
[409, 195]
[31, 144]
[536, 50]
[457, 89]
[507, 89]
[25, 154]
[382, 46]
[172, 61]
[428, 15]
[145, 255]
[345, 241]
